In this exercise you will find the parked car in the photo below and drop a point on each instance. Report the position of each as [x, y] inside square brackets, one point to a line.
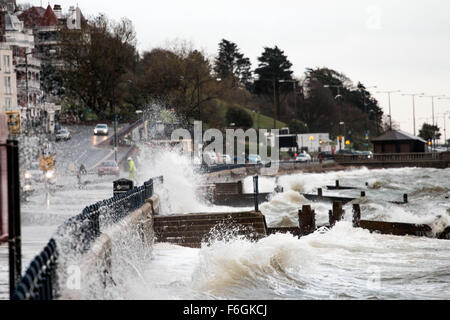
[210, 158]
[303, 157]
[108, 168]
[347, 152]
[254, 159]
[367, 154]
[326, 155]
[101, 129]
[226, 159]
[63, 134]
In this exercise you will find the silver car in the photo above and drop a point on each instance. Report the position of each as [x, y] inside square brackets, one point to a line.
[101, 129]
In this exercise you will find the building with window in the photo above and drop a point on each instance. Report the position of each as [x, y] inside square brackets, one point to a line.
[8, 82]
[27, 66]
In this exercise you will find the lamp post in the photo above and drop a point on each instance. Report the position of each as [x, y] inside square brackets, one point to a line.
[445, 120]
[338, 87]
[389, 98]
[367, 116]
[432, 112]
[26, 89]
[413, 95]
[274, 100]
[294, 82]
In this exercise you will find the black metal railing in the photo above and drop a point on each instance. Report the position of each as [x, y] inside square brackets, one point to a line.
[78, 234]
[39, 281]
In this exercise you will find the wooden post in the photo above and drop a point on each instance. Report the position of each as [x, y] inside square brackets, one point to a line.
[405, 198]
[337, 184]
[330, 217]
[363, 193]
[356, 216]
[256, 192]
[307, 221]
[319, 192]
[337, 212]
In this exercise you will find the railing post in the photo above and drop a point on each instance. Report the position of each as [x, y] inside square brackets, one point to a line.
[320, 192]
[15, 252]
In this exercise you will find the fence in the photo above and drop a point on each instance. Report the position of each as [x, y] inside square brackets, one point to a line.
[394, 157]
[78, 234]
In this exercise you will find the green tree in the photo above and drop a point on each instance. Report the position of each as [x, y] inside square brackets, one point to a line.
[273, 66]
[231, 64]
[429, 132]
[96, 60]
[297, 127]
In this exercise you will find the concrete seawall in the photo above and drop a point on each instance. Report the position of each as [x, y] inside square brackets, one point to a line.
[94, 270]
[283, 169]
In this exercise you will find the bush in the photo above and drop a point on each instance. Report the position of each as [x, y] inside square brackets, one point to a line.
[240, 117]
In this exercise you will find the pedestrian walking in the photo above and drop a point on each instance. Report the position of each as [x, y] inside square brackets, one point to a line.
[132, 170]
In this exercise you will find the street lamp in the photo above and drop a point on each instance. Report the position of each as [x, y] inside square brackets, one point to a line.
[294, 82]
[336, 98]
[367, 116]
[389, 97]
[274, 101]
[432, 110]
[413, 95]
[445, 120]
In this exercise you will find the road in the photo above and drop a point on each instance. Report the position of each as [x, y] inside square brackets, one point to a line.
[84, 148]
[46, 209]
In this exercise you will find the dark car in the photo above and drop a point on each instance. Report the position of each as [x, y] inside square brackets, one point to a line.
[326, 155]
[108, 168]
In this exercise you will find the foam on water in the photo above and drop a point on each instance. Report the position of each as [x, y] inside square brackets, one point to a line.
[341, 263]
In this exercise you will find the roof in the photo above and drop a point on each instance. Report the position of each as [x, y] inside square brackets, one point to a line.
[397, 135]
[49, 18]
[32, 17]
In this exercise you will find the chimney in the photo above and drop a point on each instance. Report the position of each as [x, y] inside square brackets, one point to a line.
[58, 11]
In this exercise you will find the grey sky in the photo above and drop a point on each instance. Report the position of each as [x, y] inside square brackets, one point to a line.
[395, 45]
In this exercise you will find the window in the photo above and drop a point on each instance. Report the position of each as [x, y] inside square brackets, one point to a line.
[7, 63]
[8, 104]
[7, 85]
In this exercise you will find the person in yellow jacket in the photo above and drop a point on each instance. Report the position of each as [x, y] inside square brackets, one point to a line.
[132, 170]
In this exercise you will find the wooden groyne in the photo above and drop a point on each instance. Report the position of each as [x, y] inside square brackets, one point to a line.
[190, 230]
[231, 194]
[321, 197]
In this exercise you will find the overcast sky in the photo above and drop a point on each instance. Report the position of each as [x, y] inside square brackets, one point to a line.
[391, 44]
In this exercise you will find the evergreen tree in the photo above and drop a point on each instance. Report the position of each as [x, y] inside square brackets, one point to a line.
[429, 132]
[273, 66]
[231, 64]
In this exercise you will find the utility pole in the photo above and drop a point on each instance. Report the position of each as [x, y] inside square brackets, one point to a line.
[413, 95]
[367, 115]
[445, 120]
[432, 111]
[389, 98]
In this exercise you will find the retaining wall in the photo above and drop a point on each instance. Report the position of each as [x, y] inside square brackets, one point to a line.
[96, 267]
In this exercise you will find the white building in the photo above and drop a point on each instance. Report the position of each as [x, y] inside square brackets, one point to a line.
[27, 66]
[314, 142]
[8, 82]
